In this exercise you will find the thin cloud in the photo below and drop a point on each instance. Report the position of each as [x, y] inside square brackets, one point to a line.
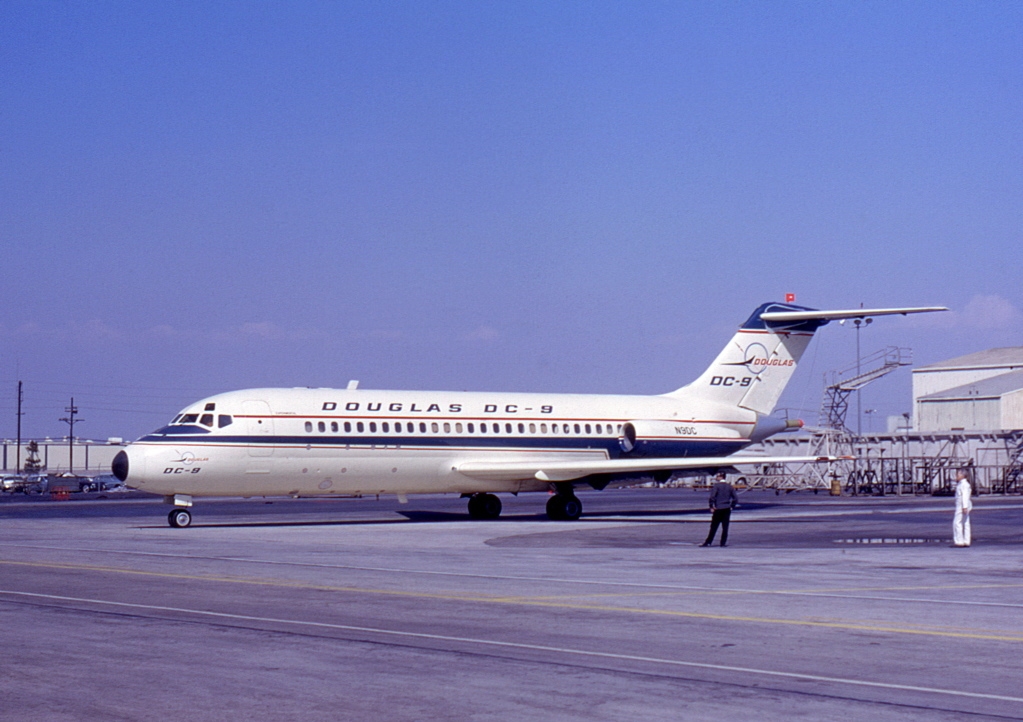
[162, 331]
[983, 312]
[482, 333]
[991, 313]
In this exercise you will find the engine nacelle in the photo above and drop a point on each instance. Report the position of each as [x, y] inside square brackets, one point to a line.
[769, 426]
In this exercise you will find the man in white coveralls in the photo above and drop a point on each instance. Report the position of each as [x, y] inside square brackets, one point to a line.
[961, 520]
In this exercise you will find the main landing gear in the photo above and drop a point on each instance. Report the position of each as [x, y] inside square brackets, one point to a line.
[484, 506]
[564, 507]
[179, 518]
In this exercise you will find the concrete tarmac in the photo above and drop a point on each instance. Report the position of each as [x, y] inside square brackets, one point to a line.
[362, 609]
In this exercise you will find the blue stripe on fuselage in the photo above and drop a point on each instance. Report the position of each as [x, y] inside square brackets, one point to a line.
[643, 449]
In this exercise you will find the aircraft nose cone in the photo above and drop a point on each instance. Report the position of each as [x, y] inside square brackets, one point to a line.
[119, 467]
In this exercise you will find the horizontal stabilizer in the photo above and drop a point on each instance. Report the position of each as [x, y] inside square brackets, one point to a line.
[571, 470]
[781, 317]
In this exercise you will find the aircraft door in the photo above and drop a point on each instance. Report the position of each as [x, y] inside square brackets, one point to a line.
[260, 427]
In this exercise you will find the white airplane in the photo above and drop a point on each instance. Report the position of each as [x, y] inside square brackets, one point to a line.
[322, 442]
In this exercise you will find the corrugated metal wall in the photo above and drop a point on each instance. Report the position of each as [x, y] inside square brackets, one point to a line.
[970, 415]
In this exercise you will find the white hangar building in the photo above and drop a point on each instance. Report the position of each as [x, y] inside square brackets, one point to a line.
[978, 392]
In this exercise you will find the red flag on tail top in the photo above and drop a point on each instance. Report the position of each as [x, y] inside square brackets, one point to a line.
[790, 298]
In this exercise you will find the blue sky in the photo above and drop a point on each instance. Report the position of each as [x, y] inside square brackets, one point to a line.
[585, 197]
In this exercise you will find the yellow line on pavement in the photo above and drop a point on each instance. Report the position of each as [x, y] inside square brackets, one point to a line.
[534, 602]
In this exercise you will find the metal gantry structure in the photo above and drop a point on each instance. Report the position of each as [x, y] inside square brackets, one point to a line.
[903, 462]
[839, 385]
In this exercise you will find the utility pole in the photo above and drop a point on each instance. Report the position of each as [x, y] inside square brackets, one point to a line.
[70, 420]
[859, 414]
[17, 466]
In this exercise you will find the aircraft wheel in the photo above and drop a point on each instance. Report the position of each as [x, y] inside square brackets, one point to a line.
[484, 506]
[179, 518]
[573, 508]
[562, 507]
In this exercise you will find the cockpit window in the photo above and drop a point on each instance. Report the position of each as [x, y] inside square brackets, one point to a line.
[207, 420]
[177, 418]
[223, 420]
[188, 418]
[210, 407]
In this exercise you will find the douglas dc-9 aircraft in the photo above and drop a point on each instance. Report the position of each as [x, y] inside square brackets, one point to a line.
[322, 442]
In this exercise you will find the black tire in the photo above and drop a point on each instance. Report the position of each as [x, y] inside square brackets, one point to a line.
[562, 507]
[179, 518]
[484, 506]
[573, 508]
[489, 506]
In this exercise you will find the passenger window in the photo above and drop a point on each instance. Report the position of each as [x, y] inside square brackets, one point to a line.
[577, 428]
[386, 427]
[554, 428]
[472, 428]
[483, 428]
[522, 429]
[359, 427]
[348, 426]
[333, 427]
[543, 428]
[373, 427]
[532, 428]
[447, 428]
[588, 429]
[434, 428]
[207, 420]
[422, 427]
[599, 428]
[566, 429]
[508, 428]
[309, 426]
[321, 427]
[223, 420]
[458, 428]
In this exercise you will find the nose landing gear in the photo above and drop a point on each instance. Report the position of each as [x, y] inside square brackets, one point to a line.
[179, 518]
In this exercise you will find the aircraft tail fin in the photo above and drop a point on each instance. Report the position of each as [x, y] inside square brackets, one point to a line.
[753, 369]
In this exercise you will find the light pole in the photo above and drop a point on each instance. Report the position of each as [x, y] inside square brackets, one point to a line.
[70, 420]
[859, 416]
[17, 467]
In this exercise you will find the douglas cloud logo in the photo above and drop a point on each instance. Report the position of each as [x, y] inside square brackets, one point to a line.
[757, 359]
[187, 458]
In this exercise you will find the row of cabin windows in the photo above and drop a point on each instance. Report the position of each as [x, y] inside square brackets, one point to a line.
[206, 420]
[484, 428]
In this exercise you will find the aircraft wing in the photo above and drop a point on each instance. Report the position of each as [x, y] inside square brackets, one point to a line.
[571, 470]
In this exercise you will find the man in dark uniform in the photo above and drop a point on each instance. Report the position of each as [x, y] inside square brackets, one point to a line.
[722, 500]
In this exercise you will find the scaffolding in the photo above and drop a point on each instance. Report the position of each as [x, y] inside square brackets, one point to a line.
[898, 463]
[837, 389]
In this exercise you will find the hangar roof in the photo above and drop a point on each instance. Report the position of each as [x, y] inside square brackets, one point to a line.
[991, 388]
[1008, 356]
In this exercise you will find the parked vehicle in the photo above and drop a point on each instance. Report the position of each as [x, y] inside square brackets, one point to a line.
[31, 484]
[69, 483]
[11, 483]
